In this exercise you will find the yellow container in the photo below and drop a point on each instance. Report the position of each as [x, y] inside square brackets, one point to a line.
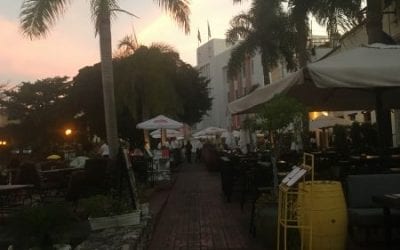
[324, 207]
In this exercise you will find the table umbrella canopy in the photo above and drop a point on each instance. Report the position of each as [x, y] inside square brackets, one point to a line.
[328, 121]
[53, 157]
[159, 122]
[227, 134]
[347, 81]
[209, 131]
[169, 133]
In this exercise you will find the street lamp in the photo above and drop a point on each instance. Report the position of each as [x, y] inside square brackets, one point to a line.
[68, 132]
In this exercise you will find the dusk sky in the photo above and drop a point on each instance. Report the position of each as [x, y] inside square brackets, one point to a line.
[71, 44]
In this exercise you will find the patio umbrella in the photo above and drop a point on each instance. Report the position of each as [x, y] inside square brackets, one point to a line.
[349, 80]
[53, 157]
[214, 131]
[159, 122]
[323, 121]
[362, 78]
[169, 133]
[227, 134]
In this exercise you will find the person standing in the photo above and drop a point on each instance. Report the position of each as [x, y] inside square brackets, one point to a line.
[188, 151]
[104, 150]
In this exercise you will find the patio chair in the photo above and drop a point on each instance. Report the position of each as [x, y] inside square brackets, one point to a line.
[261, 183]
[47, 187]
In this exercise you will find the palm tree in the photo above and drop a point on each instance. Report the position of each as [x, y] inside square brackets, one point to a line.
[127, 45]
[332, 13]
[37, 17]
[375, 11]
[265, 28]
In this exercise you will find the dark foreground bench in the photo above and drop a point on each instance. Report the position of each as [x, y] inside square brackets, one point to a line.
[362, 211]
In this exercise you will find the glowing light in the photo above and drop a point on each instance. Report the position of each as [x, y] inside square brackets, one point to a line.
[68, 132]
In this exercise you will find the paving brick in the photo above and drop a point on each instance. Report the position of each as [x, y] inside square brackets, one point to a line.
[197, 216]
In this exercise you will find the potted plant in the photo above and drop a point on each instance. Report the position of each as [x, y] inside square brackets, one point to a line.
[277, 117]
[104, 211]
[41, 227]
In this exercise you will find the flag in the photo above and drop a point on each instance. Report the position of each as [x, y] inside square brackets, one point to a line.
[198, 36]
[209, 30]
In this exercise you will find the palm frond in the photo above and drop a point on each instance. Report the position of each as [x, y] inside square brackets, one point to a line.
[240, 27]
[124, 11]
[335, 14]
[179, 10]
[247, 47]
[101, 9]
[38, 16]
[128, 44]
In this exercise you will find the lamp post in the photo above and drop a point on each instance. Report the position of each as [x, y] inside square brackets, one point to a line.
[68, 153]
[68, 132]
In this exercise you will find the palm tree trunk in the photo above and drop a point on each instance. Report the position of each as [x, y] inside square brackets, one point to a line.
[374, 21]
[302, 35]
[265, 69]
[108, 84]
[376, 35]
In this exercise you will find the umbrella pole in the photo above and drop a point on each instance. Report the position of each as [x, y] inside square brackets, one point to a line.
[383, 125]
[146, 139]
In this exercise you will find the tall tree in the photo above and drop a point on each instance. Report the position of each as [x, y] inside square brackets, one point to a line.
[265, 28]
[331, 13]
[37, 107]
[37, 17]
[152, 80]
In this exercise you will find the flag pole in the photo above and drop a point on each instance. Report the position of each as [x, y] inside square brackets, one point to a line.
[209, 30]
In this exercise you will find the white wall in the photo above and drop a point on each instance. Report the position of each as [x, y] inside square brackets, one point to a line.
[212, 61]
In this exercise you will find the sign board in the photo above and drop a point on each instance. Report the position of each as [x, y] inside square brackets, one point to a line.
[131, 178]
[294, 176]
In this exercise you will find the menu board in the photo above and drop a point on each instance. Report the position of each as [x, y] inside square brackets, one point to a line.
[131, 179]
[294, 176]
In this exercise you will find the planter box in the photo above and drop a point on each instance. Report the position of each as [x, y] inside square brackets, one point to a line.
[121, 220]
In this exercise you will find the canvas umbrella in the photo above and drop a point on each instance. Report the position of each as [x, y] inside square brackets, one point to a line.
[323, 121]
[214, 131]
[160, 122]
[169, 133]
[53, 157]
[349, 80]
[362, 78]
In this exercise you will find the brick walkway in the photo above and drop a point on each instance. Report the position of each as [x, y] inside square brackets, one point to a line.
[197, 217]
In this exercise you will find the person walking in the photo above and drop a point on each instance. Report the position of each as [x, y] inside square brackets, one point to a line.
[188, 151]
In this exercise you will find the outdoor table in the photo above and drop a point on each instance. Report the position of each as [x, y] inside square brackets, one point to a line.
[366, 163]
[387, 202]
[57, 178]
[60, 170]
[364, 157]
[11, 188]
[9, 193]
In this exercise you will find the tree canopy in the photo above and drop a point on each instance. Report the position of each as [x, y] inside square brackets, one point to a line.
[151, 81]
[37, 107]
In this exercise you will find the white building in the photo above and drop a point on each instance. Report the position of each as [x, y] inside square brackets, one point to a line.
[212, 61]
